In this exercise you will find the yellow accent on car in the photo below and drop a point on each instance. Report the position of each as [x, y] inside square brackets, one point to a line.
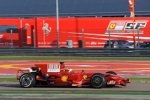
[84, 76]
[64, 78]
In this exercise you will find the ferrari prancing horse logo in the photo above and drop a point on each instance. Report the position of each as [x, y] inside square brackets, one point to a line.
[112, 26]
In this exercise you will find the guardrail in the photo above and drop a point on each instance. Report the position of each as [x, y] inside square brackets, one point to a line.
[92, 52]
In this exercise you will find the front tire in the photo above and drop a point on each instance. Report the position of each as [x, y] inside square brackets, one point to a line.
[98, 81]
[27, 80]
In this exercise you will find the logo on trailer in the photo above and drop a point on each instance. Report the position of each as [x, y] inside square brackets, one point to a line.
[1, 36]
[112, 26]
[46, 28]
[137, 25]
[126, 26]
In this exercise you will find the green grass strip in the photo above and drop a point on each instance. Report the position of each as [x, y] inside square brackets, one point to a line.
[72, 58]
[8, 80]
[75, 92]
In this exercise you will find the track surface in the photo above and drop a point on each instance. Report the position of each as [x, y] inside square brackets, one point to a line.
[133, 91]
[72, 97]
[121, 67]
[133, 86]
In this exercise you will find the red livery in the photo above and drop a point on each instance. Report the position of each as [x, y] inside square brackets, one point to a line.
[58, 75]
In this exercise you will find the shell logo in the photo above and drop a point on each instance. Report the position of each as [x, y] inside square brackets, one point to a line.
[64, 78]
[112, 26]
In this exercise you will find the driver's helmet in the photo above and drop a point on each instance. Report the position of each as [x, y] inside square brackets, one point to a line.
[68, 69]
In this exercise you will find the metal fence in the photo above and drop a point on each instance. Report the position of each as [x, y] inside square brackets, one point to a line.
[94, 52]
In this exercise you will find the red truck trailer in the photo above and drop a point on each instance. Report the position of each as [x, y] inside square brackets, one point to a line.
[74, 32]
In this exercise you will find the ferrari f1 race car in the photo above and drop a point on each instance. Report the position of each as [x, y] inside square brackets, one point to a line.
[58, 75]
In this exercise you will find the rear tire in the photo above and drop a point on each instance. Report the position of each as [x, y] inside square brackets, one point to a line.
[98, 81]
[27, 80]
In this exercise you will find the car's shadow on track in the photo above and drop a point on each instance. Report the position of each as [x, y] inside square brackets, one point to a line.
[13, 85]
[17, 86]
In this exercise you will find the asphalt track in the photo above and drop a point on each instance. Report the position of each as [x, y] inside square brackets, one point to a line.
[72, 97]
[133, 91]
[133, 86]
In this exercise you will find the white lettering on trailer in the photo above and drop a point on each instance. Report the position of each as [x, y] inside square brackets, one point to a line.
[53, 68]
[137, 25]
[126, 26]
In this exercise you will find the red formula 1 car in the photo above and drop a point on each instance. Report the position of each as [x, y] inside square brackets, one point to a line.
[58, 75]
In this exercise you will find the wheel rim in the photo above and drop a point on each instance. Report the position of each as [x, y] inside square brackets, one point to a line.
[97, 81]
[26, 81]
